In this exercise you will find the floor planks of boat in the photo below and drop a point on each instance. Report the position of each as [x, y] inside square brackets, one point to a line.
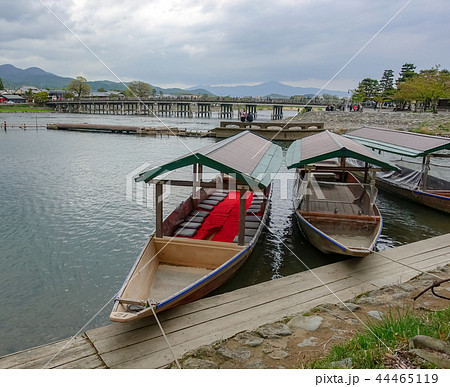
[167, 267]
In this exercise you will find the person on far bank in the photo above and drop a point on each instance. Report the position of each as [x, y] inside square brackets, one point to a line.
[249, 117]
[243, 115]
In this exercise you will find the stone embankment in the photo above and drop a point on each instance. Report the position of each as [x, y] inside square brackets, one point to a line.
[297, 340]
[341, 121]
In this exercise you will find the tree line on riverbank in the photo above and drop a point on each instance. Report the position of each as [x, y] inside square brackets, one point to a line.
[421, 90]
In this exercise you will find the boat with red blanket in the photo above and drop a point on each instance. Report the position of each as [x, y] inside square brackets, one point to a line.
[209, 236]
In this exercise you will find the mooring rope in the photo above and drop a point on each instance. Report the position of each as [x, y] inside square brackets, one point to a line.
[409, 266]
[150, 303]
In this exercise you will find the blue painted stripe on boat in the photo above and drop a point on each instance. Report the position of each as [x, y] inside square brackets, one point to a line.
[160, 305]
[321, 233]
[433, 195]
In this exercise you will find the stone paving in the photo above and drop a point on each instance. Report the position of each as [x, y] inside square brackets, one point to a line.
[338, 120]
[296, 340]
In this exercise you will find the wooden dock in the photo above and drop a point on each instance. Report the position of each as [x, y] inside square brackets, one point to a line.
[141, 344]
[274, 130]
[124, 129]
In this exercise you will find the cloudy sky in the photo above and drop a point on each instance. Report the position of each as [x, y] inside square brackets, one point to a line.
[225, 42]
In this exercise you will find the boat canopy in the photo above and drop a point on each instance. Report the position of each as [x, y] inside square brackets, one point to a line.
[328, 145]
[250, 158]
[399, 142]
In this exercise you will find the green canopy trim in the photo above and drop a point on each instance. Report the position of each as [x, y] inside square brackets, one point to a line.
[250, 158]
[328, 145]
[399, 142]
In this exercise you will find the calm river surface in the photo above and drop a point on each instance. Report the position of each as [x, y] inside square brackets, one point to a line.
[68, 234]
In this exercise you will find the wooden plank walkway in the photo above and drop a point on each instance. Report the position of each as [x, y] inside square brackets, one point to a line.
[141, 344]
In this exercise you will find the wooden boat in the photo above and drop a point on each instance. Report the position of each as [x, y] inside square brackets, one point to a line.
[333, 209]
[208, 237]
[416, 184]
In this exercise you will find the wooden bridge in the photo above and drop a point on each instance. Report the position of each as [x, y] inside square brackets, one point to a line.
[179, 107]
[140, 344]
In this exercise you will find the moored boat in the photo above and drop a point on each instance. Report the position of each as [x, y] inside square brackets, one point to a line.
[209, 236]
[333, 209]
[426, 182]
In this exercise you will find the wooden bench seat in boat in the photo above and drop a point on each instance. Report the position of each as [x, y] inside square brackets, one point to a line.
[210, 202]
[194, 219]
[333, 217]
[217, 198]
[206, 207]
[246, 240]
[185, 232]
[190, 225]
[203, 214]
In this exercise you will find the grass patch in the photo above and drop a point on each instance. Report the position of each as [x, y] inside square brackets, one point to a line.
[367, 349]
[426, 128]
[24, 108]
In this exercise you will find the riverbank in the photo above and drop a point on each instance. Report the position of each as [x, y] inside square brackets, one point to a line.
[304, 340]
[24, 109]
[427, 123]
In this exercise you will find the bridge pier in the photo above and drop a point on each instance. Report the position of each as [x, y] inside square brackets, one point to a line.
[204, 109]
[251, 109]
[183, 109]
[226, 110]
[164, 108]
[277, 113]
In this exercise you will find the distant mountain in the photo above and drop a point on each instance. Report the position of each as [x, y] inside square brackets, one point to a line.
[265, 89]
[13, 77]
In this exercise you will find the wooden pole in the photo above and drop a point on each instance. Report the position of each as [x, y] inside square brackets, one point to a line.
[242, 210]
[372, 191]
[159, 209]
[425, 169]
[308, 190]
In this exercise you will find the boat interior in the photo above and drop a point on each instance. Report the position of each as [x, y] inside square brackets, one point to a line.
[339, 206]
[199, 236]
[216, 216]
[168, 265]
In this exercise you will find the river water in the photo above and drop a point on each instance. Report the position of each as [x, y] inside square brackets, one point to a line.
[69, 234]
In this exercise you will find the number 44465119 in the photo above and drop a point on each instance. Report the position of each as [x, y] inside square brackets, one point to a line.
[407, 378]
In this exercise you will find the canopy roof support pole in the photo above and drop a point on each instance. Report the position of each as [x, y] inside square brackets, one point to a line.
[372, 191]
[425, 169]
[343, 161]
[159, 209]
[308, 190]
[242, 209]
[195, 184]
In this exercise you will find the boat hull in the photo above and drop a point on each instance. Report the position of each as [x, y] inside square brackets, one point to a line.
[330, 245]
[338, 217]
[438, 200]
[192, 291]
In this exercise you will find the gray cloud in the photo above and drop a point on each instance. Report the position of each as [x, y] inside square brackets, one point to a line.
[224, 42]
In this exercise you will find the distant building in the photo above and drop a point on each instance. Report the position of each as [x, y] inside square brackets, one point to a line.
[12, 98]
[24, 89]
